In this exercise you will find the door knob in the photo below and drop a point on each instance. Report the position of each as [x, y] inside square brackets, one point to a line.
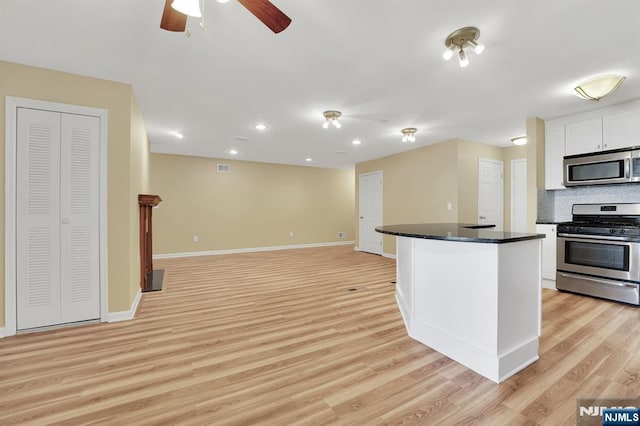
[482, 217]
[361, 217]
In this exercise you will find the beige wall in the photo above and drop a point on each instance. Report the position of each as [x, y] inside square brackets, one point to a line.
[42, 84]
[418, 184]
[139, 172]
[255, 205]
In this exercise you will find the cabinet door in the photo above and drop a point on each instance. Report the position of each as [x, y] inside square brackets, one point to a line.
[621, 130]
[582, 137]
[553, 155]
[548, 251]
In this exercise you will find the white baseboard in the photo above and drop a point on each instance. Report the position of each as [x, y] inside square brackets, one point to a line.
[383, 254]
[250, 250]
[3, 332]
[125, 315]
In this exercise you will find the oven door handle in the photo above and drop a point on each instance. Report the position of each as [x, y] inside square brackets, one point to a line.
[582, 277]
[593, 237]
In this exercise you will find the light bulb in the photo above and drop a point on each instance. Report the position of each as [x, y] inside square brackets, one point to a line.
[336, 123]
[325, 125]
[448, 54]
[478, 48]
[462, 57]
[188, 7]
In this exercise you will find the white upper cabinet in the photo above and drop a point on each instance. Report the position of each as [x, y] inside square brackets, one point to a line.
[621, 130]
[583, 136]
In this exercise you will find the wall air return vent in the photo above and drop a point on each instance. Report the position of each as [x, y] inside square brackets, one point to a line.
[224, 168]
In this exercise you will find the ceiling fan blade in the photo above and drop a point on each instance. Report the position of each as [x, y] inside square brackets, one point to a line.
[172, 20]
[270, 15]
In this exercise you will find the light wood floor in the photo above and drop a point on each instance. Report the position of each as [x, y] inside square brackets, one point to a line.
[309, 336]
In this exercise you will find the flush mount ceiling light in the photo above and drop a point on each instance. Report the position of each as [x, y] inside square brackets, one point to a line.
[599, 87]
[409, 134]
[520, 140]
[356, 142]
[460, 39]
[260, 126]
[331, 117]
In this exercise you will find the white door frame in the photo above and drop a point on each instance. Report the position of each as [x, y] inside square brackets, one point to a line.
[11, 111]
[513, 190]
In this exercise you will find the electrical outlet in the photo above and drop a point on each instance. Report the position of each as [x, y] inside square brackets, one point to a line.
[195, 239]
[449, 206]
[342, 234]
[291, 233]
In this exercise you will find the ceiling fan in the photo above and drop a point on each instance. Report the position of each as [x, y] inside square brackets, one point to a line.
[264, 10]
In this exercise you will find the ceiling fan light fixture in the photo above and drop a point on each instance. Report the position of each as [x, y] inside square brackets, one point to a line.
[409, 134]
[331, 117]
[520, 140]
[188, 7]
[599, 87]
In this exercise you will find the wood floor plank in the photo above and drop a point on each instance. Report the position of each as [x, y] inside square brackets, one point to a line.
[308, 336]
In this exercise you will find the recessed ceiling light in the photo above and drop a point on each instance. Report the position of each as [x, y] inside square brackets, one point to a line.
[260, 126]
[176, 134]
[308, 160]
[223, 1]
[356, 142]
[233, 152]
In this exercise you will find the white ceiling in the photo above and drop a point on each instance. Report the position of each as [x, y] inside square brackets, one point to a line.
[377, 61]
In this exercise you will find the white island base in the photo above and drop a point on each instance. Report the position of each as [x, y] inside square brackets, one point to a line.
[477, 303]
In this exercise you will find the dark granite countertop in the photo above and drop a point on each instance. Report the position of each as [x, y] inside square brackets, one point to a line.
[467, 232]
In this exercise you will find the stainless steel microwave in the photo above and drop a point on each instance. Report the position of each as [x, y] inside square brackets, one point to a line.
[606, 167]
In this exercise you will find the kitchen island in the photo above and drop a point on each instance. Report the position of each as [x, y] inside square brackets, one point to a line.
[471, 293]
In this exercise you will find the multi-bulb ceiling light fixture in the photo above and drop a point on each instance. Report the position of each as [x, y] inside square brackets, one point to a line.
[460, 39]
[409, 134]
[331, 117]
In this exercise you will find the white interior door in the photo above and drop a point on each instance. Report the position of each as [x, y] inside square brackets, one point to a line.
[38, 218]
[57, 220]
[490, 192]
[519, 195]
[370, 206]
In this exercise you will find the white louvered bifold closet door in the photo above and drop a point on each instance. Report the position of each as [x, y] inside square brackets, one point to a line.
[57, 233]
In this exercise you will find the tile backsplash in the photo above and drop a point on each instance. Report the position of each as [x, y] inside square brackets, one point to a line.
[555, 206]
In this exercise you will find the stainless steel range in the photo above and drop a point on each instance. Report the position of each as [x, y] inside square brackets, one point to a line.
[599, 252]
